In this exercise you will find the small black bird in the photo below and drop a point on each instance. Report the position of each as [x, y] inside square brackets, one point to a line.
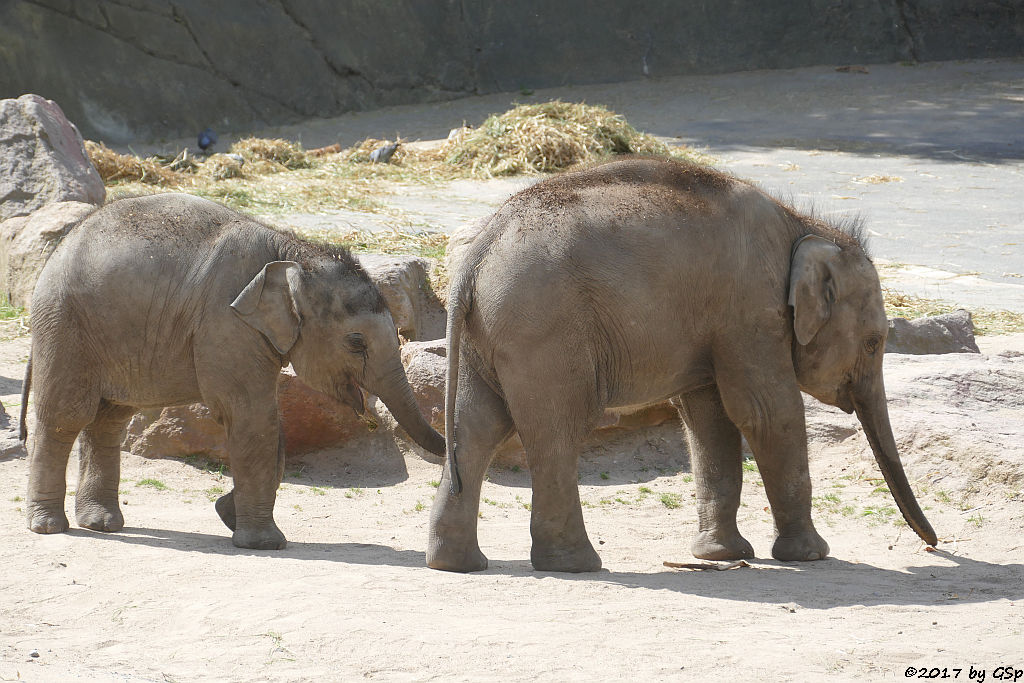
[207, 139]
[382, 155]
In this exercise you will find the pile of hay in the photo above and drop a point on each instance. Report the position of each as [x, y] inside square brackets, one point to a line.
[271, 155]
[115, 167]
[543, 138]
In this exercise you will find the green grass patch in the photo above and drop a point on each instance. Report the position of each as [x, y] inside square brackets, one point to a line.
[671, 500]
[152, 483]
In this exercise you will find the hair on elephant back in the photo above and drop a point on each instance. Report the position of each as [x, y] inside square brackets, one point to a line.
[680, 283]
[199, 304]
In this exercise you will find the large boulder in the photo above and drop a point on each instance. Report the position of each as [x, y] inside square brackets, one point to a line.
[42, 158]
[947, 333]
[26, 242]
[958, 420]
[310, 422]
[405, 283]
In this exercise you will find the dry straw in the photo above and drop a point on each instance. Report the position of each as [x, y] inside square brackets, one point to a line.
[543, 138]
[114, 167]
[271, 155]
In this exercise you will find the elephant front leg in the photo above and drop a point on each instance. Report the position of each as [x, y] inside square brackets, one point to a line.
[769, 411]
[716, 457]
[257, 465]
[481, 424]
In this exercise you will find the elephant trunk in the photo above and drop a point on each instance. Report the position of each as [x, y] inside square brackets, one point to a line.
[392, 387]
[870, 404]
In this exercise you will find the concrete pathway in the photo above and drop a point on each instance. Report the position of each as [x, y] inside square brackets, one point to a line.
[931, 156]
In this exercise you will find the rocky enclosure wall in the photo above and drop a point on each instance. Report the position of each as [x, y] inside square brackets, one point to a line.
[144, 69]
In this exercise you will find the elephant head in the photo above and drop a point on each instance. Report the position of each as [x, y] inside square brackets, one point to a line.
[330, 321]
[839, 329]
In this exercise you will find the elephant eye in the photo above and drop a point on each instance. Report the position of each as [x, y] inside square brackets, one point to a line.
[355, 343]
[871, 345]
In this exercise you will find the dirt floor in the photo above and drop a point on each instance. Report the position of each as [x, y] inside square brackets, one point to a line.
[170, 599]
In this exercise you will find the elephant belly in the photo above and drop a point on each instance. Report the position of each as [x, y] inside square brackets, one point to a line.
[159, 381]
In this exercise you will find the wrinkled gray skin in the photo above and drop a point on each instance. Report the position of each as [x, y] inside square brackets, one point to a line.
[173, 299]
[640, 281]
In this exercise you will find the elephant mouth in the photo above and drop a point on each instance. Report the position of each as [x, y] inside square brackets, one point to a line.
[844, 399]
[352, 395]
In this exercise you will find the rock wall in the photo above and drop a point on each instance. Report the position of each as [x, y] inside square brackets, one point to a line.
[130, 69]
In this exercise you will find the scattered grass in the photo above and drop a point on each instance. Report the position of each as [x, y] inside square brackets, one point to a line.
[878, 511]
[878, 179]
[278, 177]
[986, 321]
[605, 476]
[317, 491]
[645, 490]
[419, 507]
[671, 500]
[977, 520]
[17, 499]
[206, 464]
[749, 465]
[153, 483]
[9, 311]
[213, 493]
[435, 483]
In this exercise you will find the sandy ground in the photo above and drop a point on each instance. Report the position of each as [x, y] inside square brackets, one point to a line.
[170, 599]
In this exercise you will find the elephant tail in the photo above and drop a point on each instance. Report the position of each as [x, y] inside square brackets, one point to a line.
[25, 387]
[459, 303]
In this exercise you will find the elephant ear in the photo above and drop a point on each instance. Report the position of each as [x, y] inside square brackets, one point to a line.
[812, 285]
[267, 304]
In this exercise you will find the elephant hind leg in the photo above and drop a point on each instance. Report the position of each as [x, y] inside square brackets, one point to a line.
[482, 422]
[62, 411]
[99, 471]
[553, 429]
[716, 457]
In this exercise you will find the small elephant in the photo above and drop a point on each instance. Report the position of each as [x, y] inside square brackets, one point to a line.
[644, 280]
[173, 299]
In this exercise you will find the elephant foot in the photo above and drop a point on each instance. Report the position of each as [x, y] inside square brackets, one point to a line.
[267, 538]
[448, 558]
[46, 520]
[225, 507]
[582, 558]
[708, 545]
[802, 547]
[99, 517]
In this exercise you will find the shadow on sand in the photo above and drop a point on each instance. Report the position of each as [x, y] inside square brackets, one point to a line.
[955, 579]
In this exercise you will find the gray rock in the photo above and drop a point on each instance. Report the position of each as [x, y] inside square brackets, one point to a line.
[958, 421]
[405, 283]
[26, 242]
[10, 444]
[42, 159]
[948, 333]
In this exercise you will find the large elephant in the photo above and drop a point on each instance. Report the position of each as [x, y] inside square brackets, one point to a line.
[172, 299]
[644, 280]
